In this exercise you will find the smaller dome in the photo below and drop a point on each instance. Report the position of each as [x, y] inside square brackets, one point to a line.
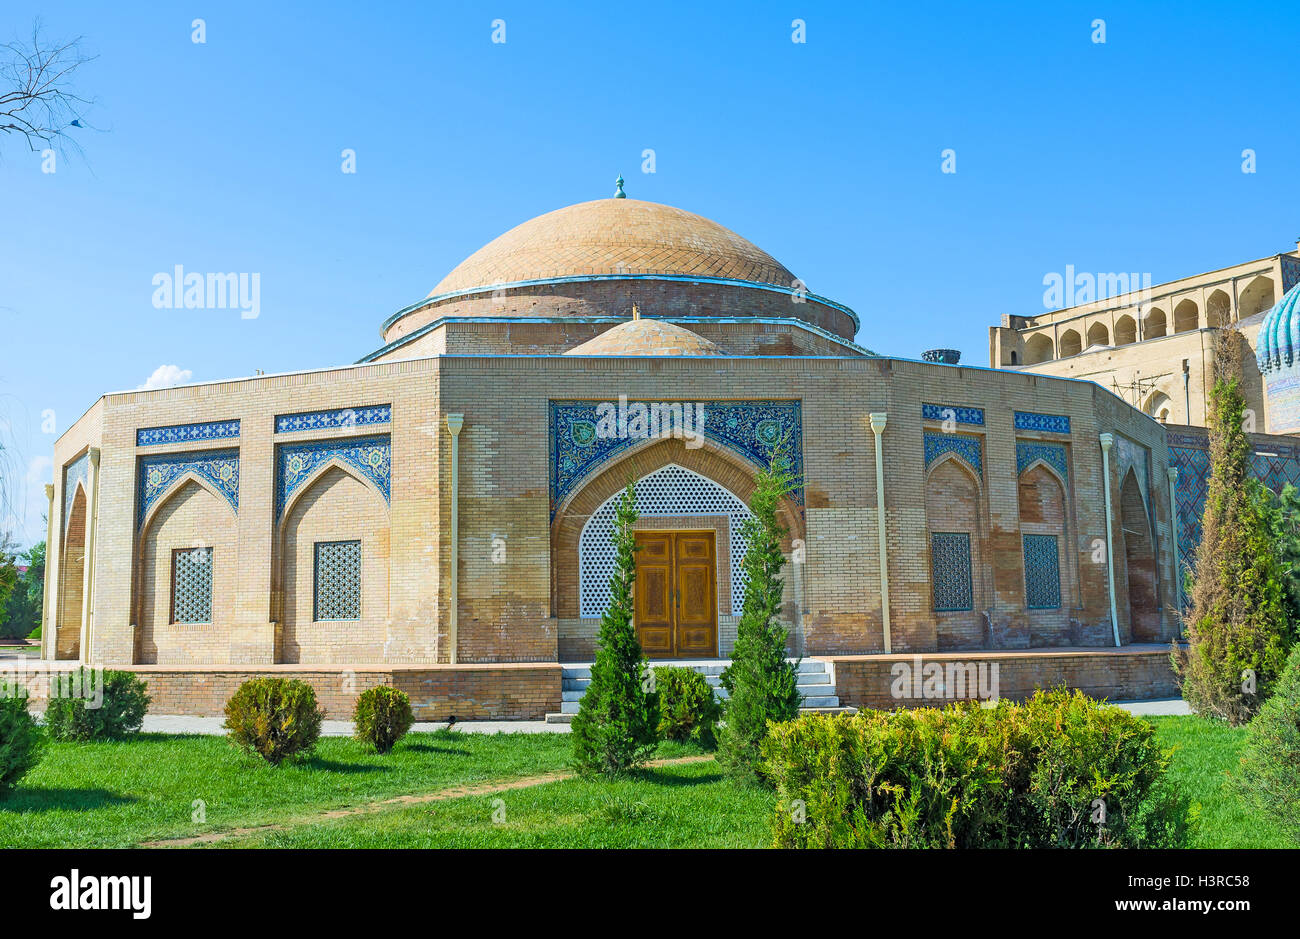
[647, 337]
[1278, 345]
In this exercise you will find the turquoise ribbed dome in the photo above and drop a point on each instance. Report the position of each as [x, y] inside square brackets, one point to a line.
[1278, 345]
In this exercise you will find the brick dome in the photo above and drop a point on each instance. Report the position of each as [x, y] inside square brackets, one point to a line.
[647, 337]
[612, 237]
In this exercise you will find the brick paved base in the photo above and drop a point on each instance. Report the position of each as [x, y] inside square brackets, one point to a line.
[890, 681]
[526, 691]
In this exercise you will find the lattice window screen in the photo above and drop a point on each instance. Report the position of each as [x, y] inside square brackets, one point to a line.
[669, 491]
[338, 580]
[192, 585]
[950, 571]
[1042, 572]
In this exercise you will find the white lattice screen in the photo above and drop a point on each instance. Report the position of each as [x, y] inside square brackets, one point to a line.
[669, 491]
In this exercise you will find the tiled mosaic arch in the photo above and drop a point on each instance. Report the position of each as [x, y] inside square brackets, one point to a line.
[158, 475]
[747, 428]
[297, 463]
[669, 491]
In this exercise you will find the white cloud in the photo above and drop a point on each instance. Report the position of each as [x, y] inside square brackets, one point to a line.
[165, 376]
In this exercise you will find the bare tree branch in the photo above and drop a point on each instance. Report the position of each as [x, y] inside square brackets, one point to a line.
[37, 100]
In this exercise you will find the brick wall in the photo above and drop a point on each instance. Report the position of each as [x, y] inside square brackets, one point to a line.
[1135, 672]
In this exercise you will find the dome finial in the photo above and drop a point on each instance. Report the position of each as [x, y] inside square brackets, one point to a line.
[619, 193]
[636, 314]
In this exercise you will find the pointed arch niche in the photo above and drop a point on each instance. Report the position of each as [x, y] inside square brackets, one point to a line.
[336, 502]
[1050, 578]
[957, 544]
[191, 515]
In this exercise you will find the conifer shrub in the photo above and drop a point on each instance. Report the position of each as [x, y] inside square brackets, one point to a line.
[762, 685]
[1269, 776]
[103, 705]
[382, 717]
[1238, 628]
[276, 718]
[1058, 771]
[617, 723]
[688, 708]
[21, 740]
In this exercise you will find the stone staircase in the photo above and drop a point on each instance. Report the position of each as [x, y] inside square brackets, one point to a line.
[816, 684]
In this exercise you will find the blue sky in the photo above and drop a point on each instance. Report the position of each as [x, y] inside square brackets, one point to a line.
[226, 156]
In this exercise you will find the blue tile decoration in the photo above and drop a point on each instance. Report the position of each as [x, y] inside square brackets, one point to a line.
[1053, 454]
[73, 473]
[158, 474]
[297, 462]
[935, 412]
[186, 433]
[1272, 464]
[1042, 572]
[1290, 271]
[748, 428]
[970, 449]
[950, 571]
[1050, 423]
[343, 417]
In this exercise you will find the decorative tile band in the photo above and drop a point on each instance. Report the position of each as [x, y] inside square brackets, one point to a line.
[749, 428]
[938, 412]
[1051, 423]
[1053, 454]
[73, 473]
[343, 417]
[970, 449]
[298, 462]
[158, 474]
[185, 433]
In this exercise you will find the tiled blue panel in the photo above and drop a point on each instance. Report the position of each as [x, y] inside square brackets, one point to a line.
[1042, 572]
[935, 412]
[343, 417]
[370, 456]
[970, 449]
[1053, 454]
[749, 428]
[186, 433]
[73, 473]
[157, 475]
[1189, 453]
[1051, 423]
[1290, 272]
[950, 571]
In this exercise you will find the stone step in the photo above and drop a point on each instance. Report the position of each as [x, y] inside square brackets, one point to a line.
[568, 707]
[572, 695]
[843, 709]
[559, 718]
[827, 701]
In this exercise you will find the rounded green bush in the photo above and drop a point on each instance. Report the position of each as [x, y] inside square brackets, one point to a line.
[276, 718]
[96, 705]
[688, 709]
[1269, 777]
[382, 716]
[1057, 771]
[21, 740]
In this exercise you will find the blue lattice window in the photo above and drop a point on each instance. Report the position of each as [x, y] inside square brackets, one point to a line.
[1042, 572]
[950, 571]
[337, 591]
[192, 585]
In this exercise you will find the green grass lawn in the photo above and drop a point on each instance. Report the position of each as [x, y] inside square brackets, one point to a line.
[1205, 752]
[144, 789]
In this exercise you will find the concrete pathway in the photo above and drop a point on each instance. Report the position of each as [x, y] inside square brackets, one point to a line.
[1156, 707]
[181, 724]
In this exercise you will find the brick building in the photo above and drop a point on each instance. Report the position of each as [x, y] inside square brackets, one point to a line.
[437, 515]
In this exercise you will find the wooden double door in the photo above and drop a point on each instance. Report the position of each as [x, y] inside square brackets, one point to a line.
[677, 593]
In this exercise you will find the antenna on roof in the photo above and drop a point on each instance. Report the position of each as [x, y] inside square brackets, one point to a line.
[618, 192]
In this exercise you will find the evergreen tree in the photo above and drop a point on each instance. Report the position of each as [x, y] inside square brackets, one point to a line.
[761, 684]
[616, 726]
[1239, 632]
